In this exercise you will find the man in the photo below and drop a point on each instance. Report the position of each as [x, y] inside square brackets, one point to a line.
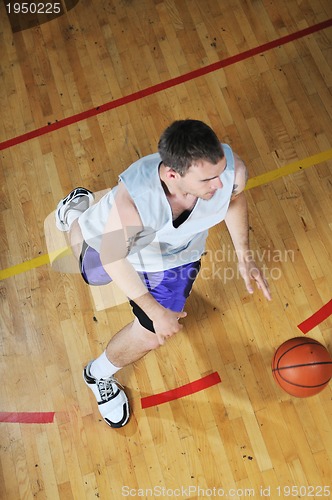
[147, 235]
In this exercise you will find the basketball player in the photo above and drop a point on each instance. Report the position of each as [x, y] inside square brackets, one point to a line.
[147, 235]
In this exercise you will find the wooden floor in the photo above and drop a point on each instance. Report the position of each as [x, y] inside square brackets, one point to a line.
[244, 436]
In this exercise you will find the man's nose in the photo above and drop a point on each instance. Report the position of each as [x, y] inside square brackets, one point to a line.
[216, 183]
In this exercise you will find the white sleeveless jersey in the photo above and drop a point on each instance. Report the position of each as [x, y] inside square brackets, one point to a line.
[160, 245]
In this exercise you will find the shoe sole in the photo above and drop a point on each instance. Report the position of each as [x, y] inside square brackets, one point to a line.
[73, 194]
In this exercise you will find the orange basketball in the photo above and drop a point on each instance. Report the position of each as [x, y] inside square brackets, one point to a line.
[302, 367]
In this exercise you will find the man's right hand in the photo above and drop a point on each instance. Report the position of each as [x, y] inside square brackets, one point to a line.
[166, 323]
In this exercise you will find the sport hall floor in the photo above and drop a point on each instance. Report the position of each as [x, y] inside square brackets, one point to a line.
[84, 95]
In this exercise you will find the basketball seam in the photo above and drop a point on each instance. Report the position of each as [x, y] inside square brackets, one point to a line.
[305, 386]
[314, 363]
[299, 345]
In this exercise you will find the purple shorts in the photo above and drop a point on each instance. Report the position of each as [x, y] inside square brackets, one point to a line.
[170, 288]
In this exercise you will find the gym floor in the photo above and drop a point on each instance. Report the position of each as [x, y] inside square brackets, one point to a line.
[86, 89]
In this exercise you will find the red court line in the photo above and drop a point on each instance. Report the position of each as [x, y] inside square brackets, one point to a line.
[180, 392]
[27, 417]
[317, 318]
[164, 85]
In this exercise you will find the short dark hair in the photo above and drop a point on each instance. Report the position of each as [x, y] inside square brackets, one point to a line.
[187, 141]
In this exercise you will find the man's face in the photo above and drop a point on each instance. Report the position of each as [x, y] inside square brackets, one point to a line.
[202, 179]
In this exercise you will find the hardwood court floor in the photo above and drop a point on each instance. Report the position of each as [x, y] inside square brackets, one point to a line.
[243, 435]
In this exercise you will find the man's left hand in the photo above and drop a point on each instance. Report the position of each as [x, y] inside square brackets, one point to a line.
[250, 272]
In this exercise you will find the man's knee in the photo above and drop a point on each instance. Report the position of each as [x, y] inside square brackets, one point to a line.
[148, 338]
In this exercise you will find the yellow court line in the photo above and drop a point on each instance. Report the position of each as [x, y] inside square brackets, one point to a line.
[289, 169]
[254, 182]
[33, 263]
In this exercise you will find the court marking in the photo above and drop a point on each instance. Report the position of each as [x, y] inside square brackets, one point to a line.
[27, 417]
[318, 317]
[34, 263]
[259, 180]
[180, 392]
[291, 168]
[154, 89]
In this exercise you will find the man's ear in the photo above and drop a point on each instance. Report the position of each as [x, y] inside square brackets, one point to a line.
[170, 173]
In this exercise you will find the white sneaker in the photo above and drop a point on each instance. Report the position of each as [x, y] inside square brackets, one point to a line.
[112, 400]
[79, 199]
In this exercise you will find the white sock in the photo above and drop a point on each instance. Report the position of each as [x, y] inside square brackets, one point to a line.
[102, 367]
[72, 215]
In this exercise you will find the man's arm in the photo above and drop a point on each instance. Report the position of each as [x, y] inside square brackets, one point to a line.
[122, 227]
[238, 226]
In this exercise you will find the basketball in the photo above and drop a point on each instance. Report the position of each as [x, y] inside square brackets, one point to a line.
[302, 367]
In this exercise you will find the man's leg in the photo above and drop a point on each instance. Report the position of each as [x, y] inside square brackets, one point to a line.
[137, 339]
[127, 346]
[130, 344]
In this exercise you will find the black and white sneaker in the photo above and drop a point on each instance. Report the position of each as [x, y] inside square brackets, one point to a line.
[79, 199]
[112, 400]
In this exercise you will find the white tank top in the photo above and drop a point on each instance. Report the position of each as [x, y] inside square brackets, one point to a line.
[160, 245]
